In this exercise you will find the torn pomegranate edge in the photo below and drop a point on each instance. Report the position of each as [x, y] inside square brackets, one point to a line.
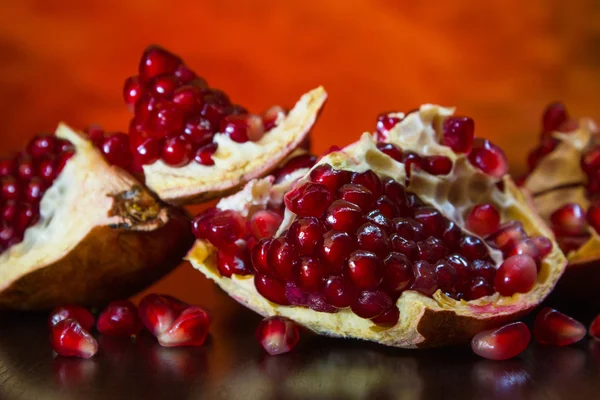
[236, 163]
[418, 325]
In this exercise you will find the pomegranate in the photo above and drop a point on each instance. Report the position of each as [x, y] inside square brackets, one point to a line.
[363, 250]
[192, 142]
[502, 343]
[73, 229]
[119, 318]
[555, 328]
[69, 338]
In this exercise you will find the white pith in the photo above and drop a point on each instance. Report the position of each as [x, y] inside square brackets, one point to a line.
[454, 195]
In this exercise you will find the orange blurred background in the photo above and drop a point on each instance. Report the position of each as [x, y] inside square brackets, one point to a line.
[499, 61]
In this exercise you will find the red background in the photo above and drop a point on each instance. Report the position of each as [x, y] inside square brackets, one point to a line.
[499, 61]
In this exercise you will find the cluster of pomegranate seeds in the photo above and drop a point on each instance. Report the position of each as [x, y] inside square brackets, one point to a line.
[502, 343]
[23, 180]
[555, 328]
[571, 223]
[277, 335]
[176, 114]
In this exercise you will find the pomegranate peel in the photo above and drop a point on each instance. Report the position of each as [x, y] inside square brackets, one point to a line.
[236, 163]
[101, 236]
[424, 321]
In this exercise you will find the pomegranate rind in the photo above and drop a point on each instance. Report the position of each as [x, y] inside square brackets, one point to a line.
[124, 240]
[236, 163]
[424, 321]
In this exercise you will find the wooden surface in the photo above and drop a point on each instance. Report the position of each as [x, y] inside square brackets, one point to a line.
[498, 61]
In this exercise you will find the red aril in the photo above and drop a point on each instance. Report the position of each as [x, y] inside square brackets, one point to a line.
[116, 150]
[157, 312]
[391, 150]
[437, 165]
[388, 318]
[308, 200]
[204, 154]
[294, 164]
[371, 303]
[459, 133]
[219, 227]
[70, 339]
[336, 248]
[190, 328]
[489, 158]
[265, 223]
[306, 234]
[120, 319]
[483, 219]
[507, 233]
[555, 328]
[502, 343]
[554, 116]
[385, 122]
[517, 274]
[364, 269]
[241, 128]
[425, 278]
[339, 291]
[277, 335]
[344, 216]
[595, 328]
[569, 220]
[234, 259]
[331, 178]
[74, 312]
[155, 62]
[310, 273]
[593, 216]
[271, 289]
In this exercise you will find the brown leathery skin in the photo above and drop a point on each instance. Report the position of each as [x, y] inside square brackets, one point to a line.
[108, 264]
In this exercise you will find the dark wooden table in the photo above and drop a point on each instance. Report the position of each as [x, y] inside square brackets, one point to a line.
[231, 365]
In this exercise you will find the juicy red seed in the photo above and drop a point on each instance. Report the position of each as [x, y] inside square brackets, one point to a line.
[8, 234]
[525, 246]
[357, 194]
[404, 246]
[310, 272]
[377, 218]
[391, 150]
[277, 335]
[34, 190]
[115, 149]
[370, 180]
[271, 289]
[163, 86]
[7, 167]
[507, 233]
[204, 154]
[242, 128]
[571, 243]
[451, 235]
[343, 216]
[177, 151]
[281, 258]
[296, 295]
[233, 259]
[409, 228]
[219, 227]
[425, 279]
[386, 206]
[386, 122]
[489, 158]
[479, 288]
[41, 146]
[395, 192]
[132, 91]
[25, 167]
[398, 273]
[264, 223]
[365, 269]
[306, 234]
[72, 311]
[294, 164]
[333, 179]
[166, 118]
[119, 318]
[68, 338]
[472, 248]
[373, 238]
[308, 200]
[371, 303]
[432, 249]
[198, 130]
[502, 343]
[190, 328]
[459, 133]
[47, 169]
[595, 328]
[484, 269]
[157, 61]
[317, 302]
[483, 219]
[517, 274]
[433, 222]
[189, 99]
[569, 220]
[554, 116]
[437, 165]
[339, 292]
[557, 329]
[411, 161]
[8, 210]
[186, 75]
[593, 216]
[271, 115]
[590, 160]
[158, 312]
[389, 318]
[27, 216]
[260, 256]
[446, 276]
[336, 247]
[148, 151]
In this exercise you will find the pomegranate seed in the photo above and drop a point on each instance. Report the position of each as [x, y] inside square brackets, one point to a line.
[391, 150]
[412, 200]
[308, 200]
[554, 116]
[296, 295]
[343, 216]
[557, 329]
[357, 194]
[446, 277]
[459, 133]
[331, 178]
[398, 274]
[260, 256]
[595, 328]
[409, 228]
[271, 289]
[437, 165]
[385, 122]
[7, 167]
[119, 318]
[167, 118]
[386, 207]
[373, 238]
[451, 235]
[74, 312]
[569, 220]
[264, 223]
[483, 219]
[293, 164]
[472, 248]
[543, 244]
[590, 160]
[8, 234]
[198, 131]
[233, 259]
[370, 180]
[158, 312]
[163, 86]
[517, 274]
[310, 273]
[433, 222]
[317, 302]
[115, 149]
[185, 75]
[425, 279]
[132, 91]
[395, 192]
[593, 216]
[25, 168]
[241, 128]
[525, 246]
[219, 227]
[489, 158]
[479, 288]
[404, 246]
[377, 218]
[41, 146]
[34, 190]
[281, 258]
[306, 234]
[177, 151]
[8, 210]
[271, 117]
[68, 338]
[204, 154]
[190, 328]
[507, 234]
[371, 303]
[365, 269]
[336, 247]
[484, 269]
[339, 291]
[27, 216]
[147, 151]
[47, 169]
[389, 318]
[156, 62]
[501, 343]
[431, 249]
[277, 335]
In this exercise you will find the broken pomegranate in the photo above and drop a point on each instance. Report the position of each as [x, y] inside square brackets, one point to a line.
[277, 335]
[360, 248]
[595, 328]
[191, 142]
[119, 318]
[69, 338]
[557, 329]
[72, 311]
[502, 343]
[75, 230]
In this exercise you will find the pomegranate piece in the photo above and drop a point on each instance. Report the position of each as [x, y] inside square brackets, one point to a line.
[502, 343]
[555, 328]
[517, 274]
[569, 220]
[483, 219]
[234, 259]
[119, 318]
[595, 328]
[74, 312]
[459, 133]
[265, 223]
[489, 158]
[308, 200]
[190, 328]
[157, 312]
[70, 339]
[277, 335]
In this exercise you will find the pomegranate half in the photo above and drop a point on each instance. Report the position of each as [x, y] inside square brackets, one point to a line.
[404, 242]
[94, 233]
[193, 143]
